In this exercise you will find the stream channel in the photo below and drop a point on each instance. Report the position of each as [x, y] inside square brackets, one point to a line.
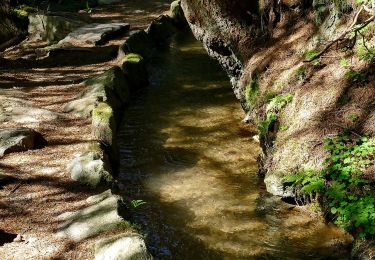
[186, 153]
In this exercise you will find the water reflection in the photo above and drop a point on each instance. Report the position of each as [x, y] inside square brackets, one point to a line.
[186, 153]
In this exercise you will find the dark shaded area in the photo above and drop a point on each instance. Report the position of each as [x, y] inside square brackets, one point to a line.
[6, 237]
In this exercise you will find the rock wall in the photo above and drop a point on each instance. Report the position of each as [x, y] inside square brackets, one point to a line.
[295, 99]
[263, 46]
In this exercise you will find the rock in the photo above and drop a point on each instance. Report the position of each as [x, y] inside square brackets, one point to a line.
[94, 34]
[90, 169]
[19, 140]
[19, 111]
[100, 215]
[138, 42]
[134, 68]
[161, 29]
[122, 247]
[275, 185]
[177, 14]
[110, 87]
[103, 123]
[51, 27]
[107, 2]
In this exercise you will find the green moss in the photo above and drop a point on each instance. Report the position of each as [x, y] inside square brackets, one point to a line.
[103, 123]
[279, 102]
[103, 112]
[265, 125]
[132, 58]
[283, 128]
[251, 93]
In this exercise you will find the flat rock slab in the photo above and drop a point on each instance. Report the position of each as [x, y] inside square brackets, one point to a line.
[94, 34]
[99, 216]
[122, 247]
[18, 140]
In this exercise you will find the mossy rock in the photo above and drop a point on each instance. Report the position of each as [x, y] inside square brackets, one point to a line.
[110, 87]
[134, 68]
[161, 29]
[103, 123]
[138, 42]
[114, 84]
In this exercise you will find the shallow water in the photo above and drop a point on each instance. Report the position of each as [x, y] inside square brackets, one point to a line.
[185, 152]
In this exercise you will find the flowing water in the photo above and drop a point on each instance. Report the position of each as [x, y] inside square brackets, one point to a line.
[185, 152]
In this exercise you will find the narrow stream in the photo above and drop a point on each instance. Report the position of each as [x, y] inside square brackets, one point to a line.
[185, 152]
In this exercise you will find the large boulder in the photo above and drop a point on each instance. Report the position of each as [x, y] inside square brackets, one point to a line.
[99, 215]
[91, 168]
[111, 87]
[19, 140]
[122, 247]
[134, 68]
[51, 27]
[138, 42]
[161, 29]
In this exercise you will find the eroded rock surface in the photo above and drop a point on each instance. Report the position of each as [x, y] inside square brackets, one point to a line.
[100, 215]
[122, 247]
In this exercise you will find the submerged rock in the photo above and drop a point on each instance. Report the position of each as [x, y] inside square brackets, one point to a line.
[138, 42]
[134, 68]
[19, 140]
[110, 87]
[122, 247]
[161, 29]
[98, 216]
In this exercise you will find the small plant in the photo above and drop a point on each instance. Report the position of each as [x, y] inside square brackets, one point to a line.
[301, 73]
[350, 196]
[353, 117]
[356, 76]
[311, 54]
[137, 203]
[265, 125]
[344, 63]
[366, 51]
[284, 128]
